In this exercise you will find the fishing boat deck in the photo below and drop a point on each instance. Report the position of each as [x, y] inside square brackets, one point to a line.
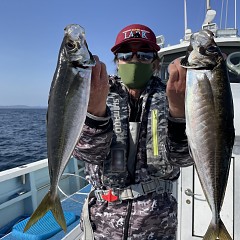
[73, 204]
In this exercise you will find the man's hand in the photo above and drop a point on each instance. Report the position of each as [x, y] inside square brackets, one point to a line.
[99, 89]
[176, 86]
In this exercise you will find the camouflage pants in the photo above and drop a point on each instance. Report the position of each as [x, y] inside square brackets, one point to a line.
[151, 217]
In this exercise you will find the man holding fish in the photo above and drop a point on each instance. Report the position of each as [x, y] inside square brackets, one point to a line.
[133, 143]
[133, 140]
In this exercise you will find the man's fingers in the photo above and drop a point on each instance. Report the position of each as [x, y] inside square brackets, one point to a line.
[96, 57]
[177, 75]
[99, 89]
[173, 73]
[103, 72]
[182, 71]
[99, 82]
[96, 69]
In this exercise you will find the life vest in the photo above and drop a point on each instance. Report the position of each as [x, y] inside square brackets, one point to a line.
[152, 133]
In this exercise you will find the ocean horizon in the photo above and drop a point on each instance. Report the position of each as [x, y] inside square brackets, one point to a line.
[21, 106]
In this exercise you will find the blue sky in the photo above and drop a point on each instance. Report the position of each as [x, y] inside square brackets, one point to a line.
[32, 31]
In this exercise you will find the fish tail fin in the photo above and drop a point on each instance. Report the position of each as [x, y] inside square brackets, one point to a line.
[57, 212]
[217, 231]
[48, 204]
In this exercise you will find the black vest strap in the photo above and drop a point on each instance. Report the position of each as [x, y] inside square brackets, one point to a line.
[115, 173]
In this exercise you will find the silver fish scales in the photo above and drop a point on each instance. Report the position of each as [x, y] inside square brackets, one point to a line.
[67, 107]
[209, 123]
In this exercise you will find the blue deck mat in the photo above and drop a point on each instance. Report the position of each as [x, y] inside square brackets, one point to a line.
[43, 229]
[72, 204]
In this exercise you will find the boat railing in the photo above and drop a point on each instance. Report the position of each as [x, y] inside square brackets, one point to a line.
[229, 32]
[22, 188]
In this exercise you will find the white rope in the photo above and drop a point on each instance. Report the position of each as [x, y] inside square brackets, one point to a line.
[79, 193]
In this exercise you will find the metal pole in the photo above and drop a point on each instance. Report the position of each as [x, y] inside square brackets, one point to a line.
[208, 4]
[185, 15]
[221, 15]
[226, 18]
[235, 14]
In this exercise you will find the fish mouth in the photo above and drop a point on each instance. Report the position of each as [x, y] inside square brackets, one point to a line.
[198, 65]
[197, 61]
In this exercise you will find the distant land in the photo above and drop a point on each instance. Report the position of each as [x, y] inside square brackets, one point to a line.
[22, 106]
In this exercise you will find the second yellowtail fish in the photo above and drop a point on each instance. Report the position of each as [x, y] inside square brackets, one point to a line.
[209, 123]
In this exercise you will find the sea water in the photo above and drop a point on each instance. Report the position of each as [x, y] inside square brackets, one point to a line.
[22, 136]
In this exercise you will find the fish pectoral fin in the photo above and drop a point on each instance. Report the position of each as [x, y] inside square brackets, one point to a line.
[48, 204]
[205, 88]
[73, 88]
[218, 231]
[206, 94]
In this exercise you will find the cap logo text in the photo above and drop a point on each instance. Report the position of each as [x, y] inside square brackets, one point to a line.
[135, 33]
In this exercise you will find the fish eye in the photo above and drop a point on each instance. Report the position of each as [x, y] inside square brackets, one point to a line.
[211, 48]
[70, 45]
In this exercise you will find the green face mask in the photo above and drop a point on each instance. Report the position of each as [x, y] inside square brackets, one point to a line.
[135, 75]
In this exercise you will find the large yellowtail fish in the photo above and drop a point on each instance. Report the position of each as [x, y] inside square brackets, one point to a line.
[67, 107]
[209, 123]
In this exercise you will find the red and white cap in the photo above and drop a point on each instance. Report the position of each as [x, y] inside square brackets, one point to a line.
[136, 33]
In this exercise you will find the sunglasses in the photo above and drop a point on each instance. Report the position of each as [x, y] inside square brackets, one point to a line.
[141, 56]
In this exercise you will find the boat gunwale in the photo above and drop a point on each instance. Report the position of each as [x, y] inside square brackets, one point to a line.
[22, 170]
